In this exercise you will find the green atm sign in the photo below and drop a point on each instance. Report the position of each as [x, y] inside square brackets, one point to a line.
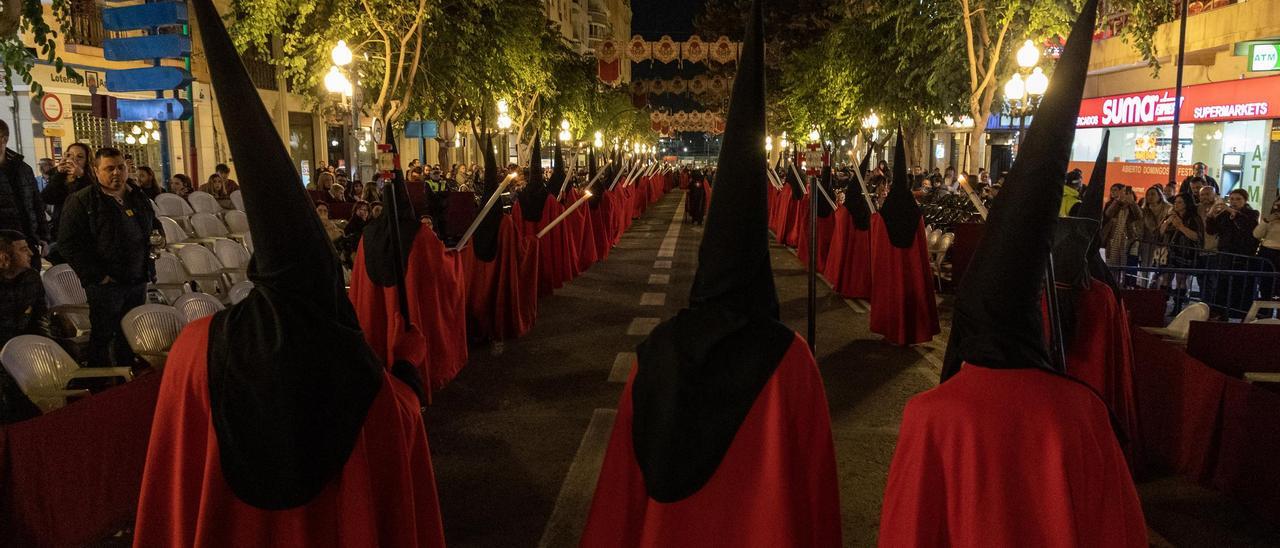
[1264, 57]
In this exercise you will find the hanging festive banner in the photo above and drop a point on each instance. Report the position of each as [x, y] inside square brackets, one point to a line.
[608, 51]
[657, 87]
[638, 49]
[719, 84]
[665, 50]
[698, 84]
[677, 85]
[609, 72]
[695, 50]
[723, 51]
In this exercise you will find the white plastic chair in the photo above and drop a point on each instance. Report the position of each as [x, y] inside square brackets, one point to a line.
[172, 205]
[240, 291]
[237, 223]
[171, 277]
[205, 268]
[208, 226]
[194, 306]
[174, 235]
[234, 258]
[63, 290]
[151, 330]
[42, 370]
[237, 200]
[1181, 324]
[203, 202]
[1258, 306]
[1267, 321]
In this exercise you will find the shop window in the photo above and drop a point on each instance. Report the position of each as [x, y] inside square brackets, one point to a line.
[101, 132]
[302, 144]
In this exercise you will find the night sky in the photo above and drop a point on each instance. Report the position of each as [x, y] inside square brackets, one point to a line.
[653, 18]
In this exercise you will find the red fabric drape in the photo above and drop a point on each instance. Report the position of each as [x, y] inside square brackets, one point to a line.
[1012, 457]
[826, 226]
[776, 486]
[848, 267]
[903, 308]
[384, 496]
[71, 477]
[436, 287]
[502, 296]
[1101, 355]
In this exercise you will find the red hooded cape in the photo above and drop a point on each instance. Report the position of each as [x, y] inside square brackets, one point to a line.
[826, 226]
[584, 232]
[1064, 480]
[902, 304]
[436, 286]
[502, 296]
[384, 496]
[848, 267]
[557, 252]
[797, 219]
[776, 487]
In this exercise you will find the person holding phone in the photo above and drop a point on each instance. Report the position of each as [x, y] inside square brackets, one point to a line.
[1268, 234]
[1233, 222]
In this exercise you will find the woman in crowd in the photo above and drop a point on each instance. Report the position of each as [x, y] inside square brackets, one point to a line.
[70, 175]
[375, 209]
[337, 194]
[1120, 225]
[319, 188]
[335, 233]
[216, 187]
[1268, 231]
[369, 192]
[1183, 231]
[1234, 222]
[354, 191]
[181, 185]
[1155, 209]
[352, 232]
[146, 181]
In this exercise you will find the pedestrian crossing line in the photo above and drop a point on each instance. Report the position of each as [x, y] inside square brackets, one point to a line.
[569, 516]
[642, 326]
[659, 279]
[653, 299]
[662, 264]
[622, 363]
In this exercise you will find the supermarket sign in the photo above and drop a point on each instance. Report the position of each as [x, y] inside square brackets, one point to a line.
[1249, 99]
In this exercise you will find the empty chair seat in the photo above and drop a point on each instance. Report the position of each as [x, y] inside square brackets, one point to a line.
[172, 205]
[194, 306]
[234, 258]
[203, 202]
[1181, 324]
[205, 268]
[237, 223]
[151, 330]
[240, 291]
[171, 278]
[174, 235]
[237, 200]
[63, 289]
[42, 369]
[208, 227]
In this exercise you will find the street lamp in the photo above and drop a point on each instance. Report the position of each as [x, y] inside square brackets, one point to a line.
[814, 135]
[1028, 55]
[1037, 83]
[564, 131]
[768, 143]
[783, 141]
[1026, 87]
[341, 54]
[599, 140]
[336, 82]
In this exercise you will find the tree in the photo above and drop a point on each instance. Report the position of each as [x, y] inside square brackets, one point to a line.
[28, 17]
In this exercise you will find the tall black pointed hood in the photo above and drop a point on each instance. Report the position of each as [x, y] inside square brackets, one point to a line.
[700, 372]
[559, 178]
[290, 375]
[900, 211]
[1091, 208]
[485, 239]
[388, 239]
[998, 320]
[533, 197]
[793, 182]
[854, 200]
[823, 206]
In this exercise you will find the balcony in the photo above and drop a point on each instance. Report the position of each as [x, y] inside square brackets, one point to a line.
[84, 24]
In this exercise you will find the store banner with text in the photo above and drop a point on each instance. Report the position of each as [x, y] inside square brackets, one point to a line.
[1249, 99]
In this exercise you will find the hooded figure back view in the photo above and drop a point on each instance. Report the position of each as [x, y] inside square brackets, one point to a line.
[276, 423]
[903, 308]
[848, 266]
[723, 437]
[1007, 451]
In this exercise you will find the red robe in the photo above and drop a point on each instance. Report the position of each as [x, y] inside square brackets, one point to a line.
[588, 253]
[826, 225]
[436, 287]
[848, 267]
[1014, 457]
[557, 254]
[1101, 355]
[776, 487]
[902, 305]
[797, 219]
[384, 496]
[502, 295]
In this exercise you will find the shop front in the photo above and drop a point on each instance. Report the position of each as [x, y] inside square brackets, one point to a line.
[1228, 126]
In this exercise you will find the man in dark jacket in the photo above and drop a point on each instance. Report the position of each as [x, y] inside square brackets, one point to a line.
[20, 205]
[1233, 222]
[105, 236]
[23, 310]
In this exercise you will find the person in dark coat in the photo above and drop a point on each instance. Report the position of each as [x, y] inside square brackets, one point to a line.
[697, 201]
[20, 206]
[105, 236]
[69, 176]
[1233, 222]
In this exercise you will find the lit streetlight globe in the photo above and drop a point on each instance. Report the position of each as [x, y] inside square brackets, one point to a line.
[341, 54]
[335, 82]
[1015, 89]
[1037, 83]
[814, 136]
[1028, 55]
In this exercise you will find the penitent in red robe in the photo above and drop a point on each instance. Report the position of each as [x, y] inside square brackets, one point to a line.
[502, 295]
[903, 308]
[826, 226]
[436, 287]
[1101, 355]
[848, 267]
[1005, 458]
[384, 496]
[776, 487]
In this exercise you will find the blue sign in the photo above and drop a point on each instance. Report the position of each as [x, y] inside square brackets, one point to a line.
[141, 110]
[146, 47]
[144, 16]
[147, 79]
[422, 129]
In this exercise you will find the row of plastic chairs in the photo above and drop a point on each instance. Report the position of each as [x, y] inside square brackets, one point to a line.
[43, 369]
[172, 205]
[206, 228]
[938, 242]
[215, 271]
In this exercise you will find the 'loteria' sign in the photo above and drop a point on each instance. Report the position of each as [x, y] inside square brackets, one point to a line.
[1250, 99]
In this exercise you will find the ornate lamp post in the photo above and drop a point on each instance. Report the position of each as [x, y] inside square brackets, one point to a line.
[1026, 87]
[337, 82]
